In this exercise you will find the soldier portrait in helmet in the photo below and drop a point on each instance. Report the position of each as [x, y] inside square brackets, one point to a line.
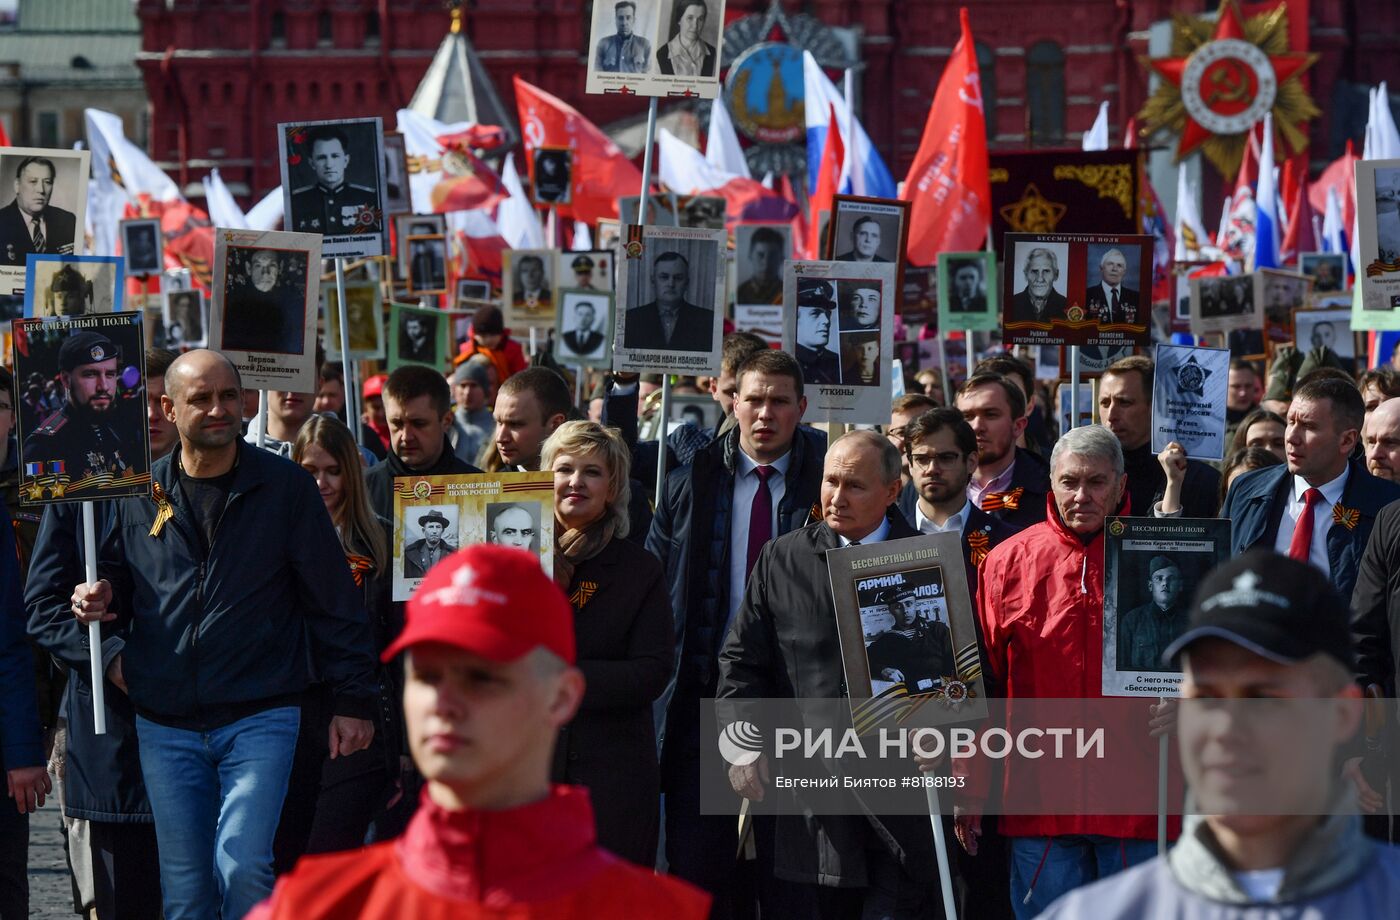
[73, 285]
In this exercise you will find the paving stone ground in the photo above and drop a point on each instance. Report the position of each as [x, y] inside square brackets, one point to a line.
[50, 893]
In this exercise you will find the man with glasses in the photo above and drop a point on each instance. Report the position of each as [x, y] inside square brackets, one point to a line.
[903, 411]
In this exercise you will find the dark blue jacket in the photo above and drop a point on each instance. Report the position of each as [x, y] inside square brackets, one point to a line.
[21, 743]
[1032, 476]
[102, 781]
[1256, 504]
[209, 633]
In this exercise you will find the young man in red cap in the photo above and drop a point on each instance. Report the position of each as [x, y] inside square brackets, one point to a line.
[487, 690]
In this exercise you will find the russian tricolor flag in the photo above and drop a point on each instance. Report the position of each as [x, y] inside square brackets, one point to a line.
[1266, 222]
[862, 171]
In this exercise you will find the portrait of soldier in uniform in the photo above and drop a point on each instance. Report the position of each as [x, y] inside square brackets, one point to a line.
[513, 524]
[583, 267]
[70, 294]
[917, 650]
[333, 205]
[763, 281]
[30, 223]
[264, 307]
[531, 290]
[1145, 631]
[624, 51]
[968, 292]
[80, 440]
[141, 243]
[816, 300]
[431, 548]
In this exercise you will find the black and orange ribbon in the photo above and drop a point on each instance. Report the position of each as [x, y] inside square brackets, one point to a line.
[981, 545]
[359, 567]
[995, 501]
[1347, 517]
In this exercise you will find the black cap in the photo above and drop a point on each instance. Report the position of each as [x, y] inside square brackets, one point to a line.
[582, 264]
[820, 296]
[1274, 606]
[86, 348]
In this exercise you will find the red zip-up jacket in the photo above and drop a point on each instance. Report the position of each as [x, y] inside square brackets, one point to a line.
[537, 861]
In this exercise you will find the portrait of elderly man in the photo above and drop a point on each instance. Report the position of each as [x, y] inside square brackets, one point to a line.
[1109, 300]
[513, 524]
[1039, 301]
[865, 241]
[333, 205]
[264, 307]
[816, 301]
[81, 435]
[30, 223]
[670, 322]
[624, 51]
[967, 292]
[687, 54]
[1145, 631]
[431, 548]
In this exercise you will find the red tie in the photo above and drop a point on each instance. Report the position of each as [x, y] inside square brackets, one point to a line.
[1300, 547]
[760, 517]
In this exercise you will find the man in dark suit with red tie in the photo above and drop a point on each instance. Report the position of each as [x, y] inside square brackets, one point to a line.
[29, 224]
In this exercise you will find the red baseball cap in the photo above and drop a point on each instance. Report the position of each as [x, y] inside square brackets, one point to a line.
[492, 601]
[374, 386]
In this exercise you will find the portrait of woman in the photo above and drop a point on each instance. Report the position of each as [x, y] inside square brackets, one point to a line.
[687, 54]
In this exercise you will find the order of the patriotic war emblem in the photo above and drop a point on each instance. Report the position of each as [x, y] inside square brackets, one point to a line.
[1191, 377]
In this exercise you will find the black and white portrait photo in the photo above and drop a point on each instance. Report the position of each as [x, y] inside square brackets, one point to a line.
[528, 280]
[866, 230]
[472, 289]
[620, 30]
[581, 329]
[907, 636]
[1224, 303]
[690, 39]
[1145, 631]
[141, 246]
[1113, 287]
[184, 319]
[760, 250]
[551, 175]
[1319, 329]
[675, 300]
[591, 270]
[264, 300]
[1041, 275]
[816, 348]
[860, 359]
[967, 286]
[1281, 294]
[418, 337]
[43, 200]
[406, 225]
[74, 285]
[703, 212]
[430, 536]
[514, 524]
[1387, 209]
[333, 180]
[397, 195]
[1328, 270]
[363, 319]
[427, 264]
[860, 305]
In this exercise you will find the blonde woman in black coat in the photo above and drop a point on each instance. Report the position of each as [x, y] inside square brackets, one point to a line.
[625, 636]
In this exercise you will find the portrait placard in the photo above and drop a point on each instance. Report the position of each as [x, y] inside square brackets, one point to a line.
[907, 630]
[759, 252]
[704, 212]
[919, 303]
[609, 233]
[583, 328]
[406, 225]
[700, 411]
[838, 321]
[57, 285]
[1086, 404]
[551, 172]
[471, 289]
[263, 317]
[671, 300]
[427, 264]
[1181, 288]
[1049, 362]
[1317, 329]
[333, 183]
[1189, 391]
[50, 186]
[587, 270]
[1280, 294]
[185, 317]
[656, 48]
[1152, 567]
[1093, 359]
[364, 317]
[967, 292]
[142, 246]
[94, 444]
[1077, 289]
[418, 335]
[397, 195]
[434, 516]
[527, 282]
[1223, 303]
[1328, 270]
[1378, 242]
[868, 230]
[764, 322]
[663, 210]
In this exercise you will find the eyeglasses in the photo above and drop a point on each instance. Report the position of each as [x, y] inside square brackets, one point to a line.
[944, 460]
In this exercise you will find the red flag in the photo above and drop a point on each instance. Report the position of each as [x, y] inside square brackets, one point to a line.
[467, 183]
[4, 138]
[798, 222]
[1341, 175]
[601, 172]
[827, 178]
[1299, 236]
[948, 181]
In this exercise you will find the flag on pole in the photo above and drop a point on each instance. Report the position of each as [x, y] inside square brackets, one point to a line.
[1096, 138]
[1191, 237]
[828, 175]
[722, 148]
[868, 174]
[223, 210]
[519, 223]
[1387, 136]
[267, 214]
[683, 169]
[1266, 224]
[601, 172]
[948, 182]
[1333, 234]
[1300, 236]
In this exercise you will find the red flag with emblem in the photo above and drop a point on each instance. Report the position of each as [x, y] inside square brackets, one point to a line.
[602, 173]
[949, 182]
[827, 178]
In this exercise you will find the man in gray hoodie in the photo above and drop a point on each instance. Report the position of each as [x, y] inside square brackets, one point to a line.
[1268, 709]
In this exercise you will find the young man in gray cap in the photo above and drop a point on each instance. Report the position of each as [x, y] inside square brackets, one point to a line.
[472, 422]
[1268, 704]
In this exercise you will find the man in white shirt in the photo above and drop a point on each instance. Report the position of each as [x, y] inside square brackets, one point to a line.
[1010, 482]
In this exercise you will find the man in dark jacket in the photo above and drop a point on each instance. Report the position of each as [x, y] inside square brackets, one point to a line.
[234, 590]
[1125, 407]
[1010, 483]
[837, 865]
[755, 483]
[1320, 506]
[418, 409]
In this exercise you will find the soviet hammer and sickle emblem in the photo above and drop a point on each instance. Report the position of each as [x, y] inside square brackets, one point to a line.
[1229, 83]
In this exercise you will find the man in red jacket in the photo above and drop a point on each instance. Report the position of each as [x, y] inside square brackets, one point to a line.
[1040, 602]
[490, 680]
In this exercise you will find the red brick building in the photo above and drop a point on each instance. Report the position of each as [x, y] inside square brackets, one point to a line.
[222, 73]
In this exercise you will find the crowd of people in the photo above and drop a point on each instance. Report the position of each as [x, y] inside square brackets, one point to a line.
[285, 740]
